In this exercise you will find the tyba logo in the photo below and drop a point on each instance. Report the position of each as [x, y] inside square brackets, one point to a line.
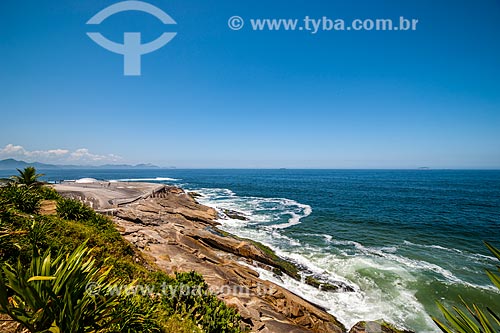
[131, 49]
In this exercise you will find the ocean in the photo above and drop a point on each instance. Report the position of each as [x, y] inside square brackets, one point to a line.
[402, 239]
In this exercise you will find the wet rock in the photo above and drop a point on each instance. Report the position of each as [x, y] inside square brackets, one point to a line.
[194, 195]
[336, 286]
[378, 326]
[232, 214]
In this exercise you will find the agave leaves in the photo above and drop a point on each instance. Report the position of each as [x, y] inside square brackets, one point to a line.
[493, 277]
[52, 294]
[474, 320]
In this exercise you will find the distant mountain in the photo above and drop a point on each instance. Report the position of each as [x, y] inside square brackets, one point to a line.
[127, 166]
[12, 164]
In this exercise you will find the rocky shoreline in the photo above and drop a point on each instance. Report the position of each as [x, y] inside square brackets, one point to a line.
[177, 234]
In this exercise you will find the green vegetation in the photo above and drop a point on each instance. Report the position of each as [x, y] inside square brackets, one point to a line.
[23, 199]
[49, 262]
[472, 319]
[51, 294]
[27, 177]
[70, 209]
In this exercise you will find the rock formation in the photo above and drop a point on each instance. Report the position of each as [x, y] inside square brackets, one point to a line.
[168, 226]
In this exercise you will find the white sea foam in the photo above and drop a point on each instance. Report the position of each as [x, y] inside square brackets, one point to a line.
[383, 281]
[417, 265]
[295, 218]
[328, 238]
[261, 210]
[365, 303]
[438, 247]
[477, 257]
[368, 302]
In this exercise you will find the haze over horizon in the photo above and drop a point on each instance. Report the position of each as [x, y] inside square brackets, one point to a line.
[218, 98]
[111, 164]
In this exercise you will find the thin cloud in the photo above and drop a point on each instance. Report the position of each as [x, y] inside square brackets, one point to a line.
[60, 156]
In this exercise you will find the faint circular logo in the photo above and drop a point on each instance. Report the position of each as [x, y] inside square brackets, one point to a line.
[132, 48]
[235, 23]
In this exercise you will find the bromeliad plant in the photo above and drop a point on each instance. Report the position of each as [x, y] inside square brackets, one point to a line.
[473, 320]
[52, 294]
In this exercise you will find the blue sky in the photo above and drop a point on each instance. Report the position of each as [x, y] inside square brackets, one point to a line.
[214, 97]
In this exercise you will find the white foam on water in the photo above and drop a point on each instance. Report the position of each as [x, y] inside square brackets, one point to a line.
[382, 280]
[418, 265]
[438, 247]
[261, 210]
[481, 256]
[464, 257]
[367, 302]
[295, 217]
[370, 301]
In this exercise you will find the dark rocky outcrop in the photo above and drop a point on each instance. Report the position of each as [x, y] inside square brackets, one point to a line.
[194, 195]
[378, 326]
[232, 214]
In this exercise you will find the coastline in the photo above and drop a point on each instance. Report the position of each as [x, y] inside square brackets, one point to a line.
[176, 233]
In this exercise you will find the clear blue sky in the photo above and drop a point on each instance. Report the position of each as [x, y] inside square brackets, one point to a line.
[214, 97]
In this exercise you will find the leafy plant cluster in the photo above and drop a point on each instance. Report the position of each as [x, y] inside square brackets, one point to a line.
[48, 261]
[70, 209]
[472, 319]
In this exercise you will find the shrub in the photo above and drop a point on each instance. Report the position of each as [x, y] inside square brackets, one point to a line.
[21, 198]
[51, 294]
[12, 228]
[190, 296]
[143, 315]
[48, 193]
[180, 324]
[70, 209]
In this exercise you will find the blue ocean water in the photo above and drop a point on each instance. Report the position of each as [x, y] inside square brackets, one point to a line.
[401, 238]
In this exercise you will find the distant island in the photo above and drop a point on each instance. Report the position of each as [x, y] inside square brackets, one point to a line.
[12, 164]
